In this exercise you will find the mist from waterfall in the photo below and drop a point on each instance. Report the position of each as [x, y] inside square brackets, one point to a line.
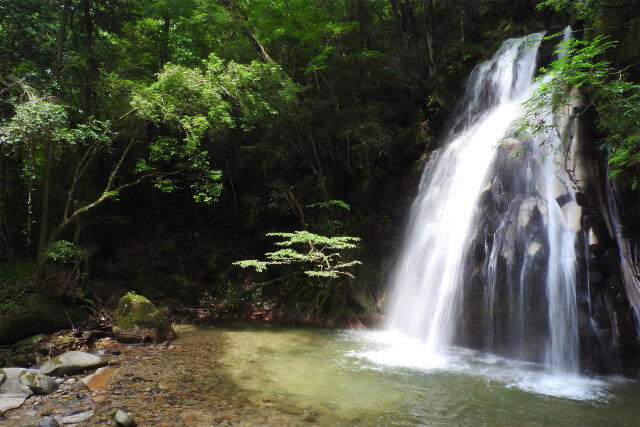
[517, 297]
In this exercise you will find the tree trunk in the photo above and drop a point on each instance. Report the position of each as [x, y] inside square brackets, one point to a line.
[62, 32]
[46, 196]
[89, 51]
[239, 14]
[6, 247]
[164, 49]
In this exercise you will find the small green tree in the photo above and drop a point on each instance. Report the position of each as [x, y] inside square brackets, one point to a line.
[321, 255]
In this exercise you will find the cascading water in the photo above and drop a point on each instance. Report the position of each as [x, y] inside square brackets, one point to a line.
[489, 257]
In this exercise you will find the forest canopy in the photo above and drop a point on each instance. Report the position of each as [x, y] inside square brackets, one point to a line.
[247, 114]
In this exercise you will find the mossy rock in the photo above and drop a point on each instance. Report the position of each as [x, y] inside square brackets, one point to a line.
[139, 320]
[22, 351]
[38, 315]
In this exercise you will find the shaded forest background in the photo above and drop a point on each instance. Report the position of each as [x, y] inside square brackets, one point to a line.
[147, 145]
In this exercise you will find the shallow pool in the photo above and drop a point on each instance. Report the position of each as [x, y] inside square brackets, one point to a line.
[377, 378]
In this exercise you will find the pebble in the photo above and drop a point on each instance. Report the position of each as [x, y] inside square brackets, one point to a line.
[123, 418]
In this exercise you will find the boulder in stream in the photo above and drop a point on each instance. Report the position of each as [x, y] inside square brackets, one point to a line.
[138, 319]
[11, 386]
[72, 362]
[37, 381]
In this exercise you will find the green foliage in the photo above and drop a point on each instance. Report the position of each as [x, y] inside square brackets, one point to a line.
[581, 9]
[615, 99]
[302, 247]
[330, 204]
[40, 121]
[200, 105]
[65, 252]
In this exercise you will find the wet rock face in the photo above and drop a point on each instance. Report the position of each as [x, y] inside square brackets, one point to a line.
[506, 263]
[139, 320]
[508, 243]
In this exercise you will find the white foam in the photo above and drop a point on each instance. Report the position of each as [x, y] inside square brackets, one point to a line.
[392, 349]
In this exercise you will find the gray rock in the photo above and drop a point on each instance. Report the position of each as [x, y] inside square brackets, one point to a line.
[72, 362]
[123, 418]
[3, 376]
[11, 386]
[48, 422]
[8, 402]
[38, 382]
[76, 417]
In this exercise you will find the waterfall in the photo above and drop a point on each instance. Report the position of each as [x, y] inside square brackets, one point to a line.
[489, 253]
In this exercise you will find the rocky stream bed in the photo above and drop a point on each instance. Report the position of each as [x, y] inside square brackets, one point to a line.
[167, 384]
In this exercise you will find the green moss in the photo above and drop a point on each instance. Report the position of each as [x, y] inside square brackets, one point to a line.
[137, 310]
[27, 343]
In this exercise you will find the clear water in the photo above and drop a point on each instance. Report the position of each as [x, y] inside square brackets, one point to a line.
[378, 378]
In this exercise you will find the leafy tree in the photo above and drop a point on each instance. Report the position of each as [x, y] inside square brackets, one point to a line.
[322, 253]
[201, 104]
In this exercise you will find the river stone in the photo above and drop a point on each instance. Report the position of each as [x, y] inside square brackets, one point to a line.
[138, 319]
[123, 418]
[11, 386]
[38, 382]
[98, 380]
[9, 402]
[76, 417]
[72, 362]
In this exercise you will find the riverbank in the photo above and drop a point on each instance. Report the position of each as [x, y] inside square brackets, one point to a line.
[168, 384]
